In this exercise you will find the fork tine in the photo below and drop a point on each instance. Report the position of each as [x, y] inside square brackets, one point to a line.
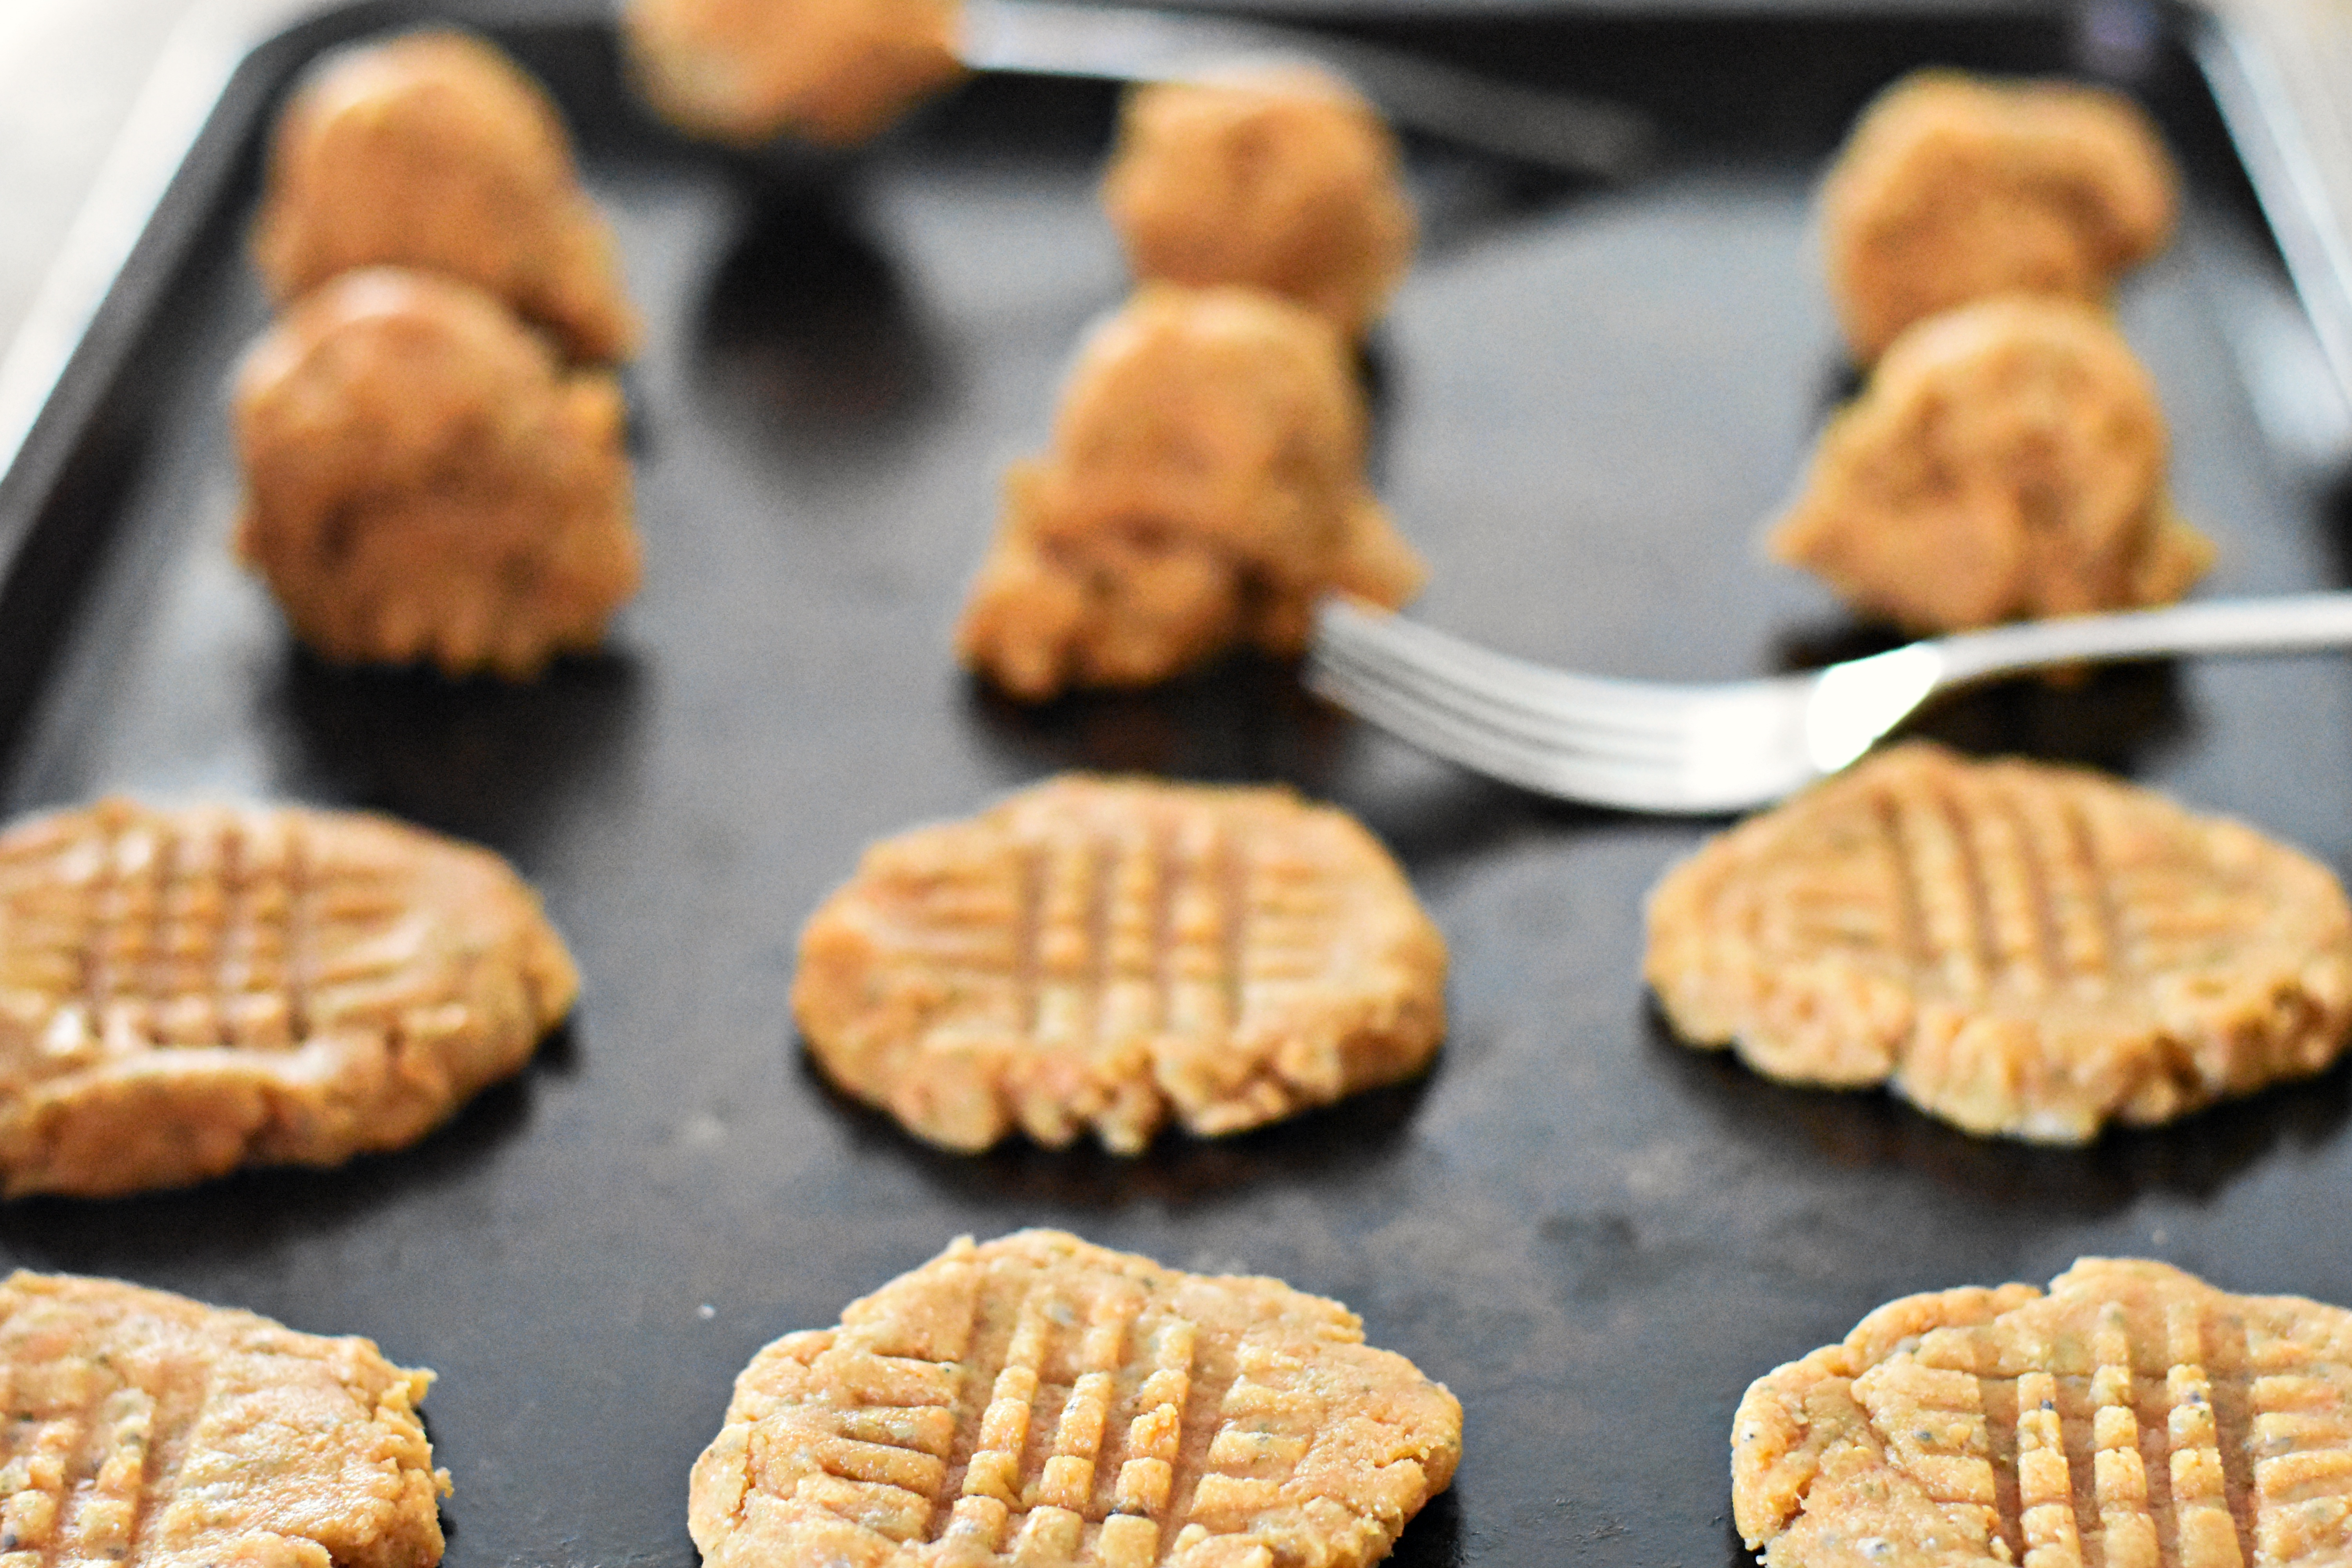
[1514, 713]
[1608, 779]
[1526, 695]
[1344, 624]
[1501, 711]
[1645, 746]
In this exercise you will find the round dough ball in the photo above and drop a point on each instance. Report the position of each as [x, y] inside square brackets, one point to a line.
[1285, 180]
[743, 71]
[433, 150]
[2007, 460]
[426, 481]
[1952, 189]
[1204, 486]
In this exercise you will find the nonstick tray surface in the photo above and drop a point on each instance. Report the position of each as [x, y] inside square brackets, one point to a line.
[1587, 400]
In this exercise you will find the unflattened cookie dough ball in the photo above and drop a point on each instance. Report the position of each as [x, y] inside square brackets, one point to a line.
[836, 71]
[2007, 460]
[433, 150]
[1285, 180]
[1204, 485]
[1951, 189]
[425, 481]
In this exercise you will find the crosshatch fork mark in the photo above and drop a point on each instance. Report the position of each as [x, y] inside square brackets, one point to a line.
[173, 935]
[1121, 936]
[2120, 1466]
[1039, 1401]
[1073, 1420]
[1992, 891]
[2132, 1418]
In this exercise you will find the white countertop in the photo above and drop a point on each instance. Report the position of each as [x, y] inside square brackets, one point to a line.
[68, 71]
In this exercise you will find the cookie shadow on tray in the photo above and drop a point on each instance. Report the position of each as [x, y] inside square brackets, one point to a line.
[1872, 1130]
[1343, 1144]
[1248, 720]
[255, 1214]
[2335, 520]
[1434, 1537]
[2111, 716]
[482, 759]
[1838, 382]
[807, 342]
[1244, 719]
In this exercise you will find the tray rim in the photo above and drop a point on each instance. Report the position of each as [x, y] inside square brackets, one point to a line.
[159, 281]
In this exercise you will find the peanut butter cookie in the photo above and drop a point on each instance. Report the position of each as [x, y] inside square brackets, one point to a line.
[1204, 486]
[185, 991]
[2007, 460]
[2135, 1415]
[433, 150]
[427, 482]
[1105, 955]
[1952, 189]
[146, 1430]
[1284, 180]
[1036, 1399]
[2020, 949]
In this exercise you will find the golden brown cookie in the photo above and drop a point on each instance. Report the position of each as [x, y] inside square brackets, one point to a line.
[2135, 1417]
[1284, 180]
[2006, 460]
[150, 1431]
[832, 70]
[1036, 1399]
[1204, 486]
[433, 150]
[1952, 189]
[185, 991]
[1108, 954]
[2022, 949]
[427, 482]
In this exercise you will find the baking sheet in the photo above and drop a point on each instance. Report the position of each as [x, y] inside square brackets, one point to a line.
[1587, 401]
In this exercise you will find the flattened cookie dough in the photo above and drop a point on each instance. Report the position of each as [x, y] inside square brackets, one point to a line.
[1038, 1399]
[156, 1432]
[1109, 954]
[2134, 1415]
[743, 71]
[2007, 460]
[2022, 950]
[433, 150]
[1284, 180]
[150, 1431]
[427, 482]
[185, 991]
[1952, 189]
[1205, 485]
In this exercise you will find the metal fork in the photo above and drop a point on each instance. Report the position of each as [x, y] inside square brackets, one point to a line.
[1550, 128]
[1652, 746]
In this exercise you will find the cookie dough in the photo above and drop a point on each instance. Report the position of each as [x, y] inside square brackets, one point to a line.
[2006, 461]
[427, 482]
[1284, 179]
[434, 150]
[1204, 486]
[1952, 188]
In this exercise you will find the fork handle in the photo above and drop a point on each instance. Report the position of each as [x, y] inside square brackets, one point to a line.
[2280, 625]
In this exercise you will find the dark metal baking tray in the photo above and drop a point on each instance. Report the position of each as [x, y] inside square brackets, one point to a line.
[1587, 400]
